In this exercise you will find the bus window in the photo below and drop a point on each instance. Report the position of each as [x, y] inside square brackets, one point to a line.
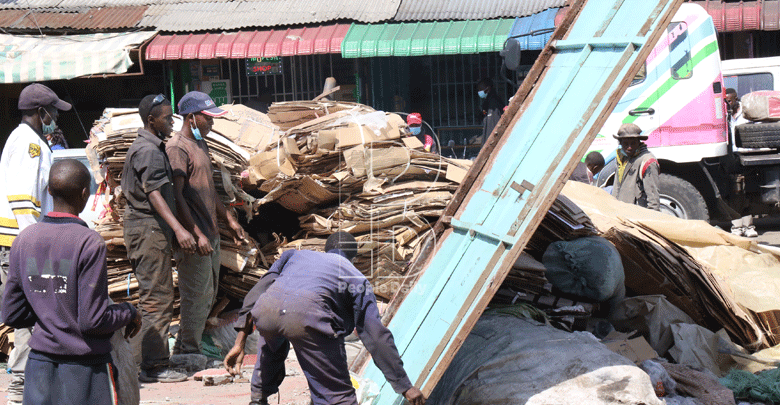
[748, 83]
[680, 50]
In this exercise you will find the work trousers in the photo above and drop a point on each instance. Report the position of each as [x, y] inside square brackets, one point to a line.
[17, 359]
[323, 359]
[149, 251]
[198, 284]
[70, 380]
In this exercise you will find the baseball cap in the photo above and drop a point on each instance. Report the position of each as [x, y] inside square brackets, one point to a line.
[196, 101]
[37, 95]
[414, 118]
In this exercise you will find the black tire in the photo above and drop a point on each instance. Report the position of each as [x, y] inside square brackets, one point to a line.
[758, 135]
[681, 199]
[607, 174]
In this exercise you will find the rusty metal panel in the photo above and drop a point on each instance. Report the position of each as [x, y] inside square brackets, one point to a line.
[216, 15]
[81, 19]
[566, 98]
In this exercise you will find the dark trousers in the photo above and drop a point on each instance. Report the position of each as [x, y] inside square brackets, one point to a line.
[149, 251]
[323, 359]
[70, 380]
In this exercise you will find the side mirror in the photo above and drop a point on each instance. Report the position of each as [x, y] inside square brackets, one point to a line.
[511, 54]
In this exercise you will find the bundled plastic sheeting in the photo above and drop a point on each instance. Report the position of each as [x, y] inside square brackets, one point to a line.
[587, 267]
[499, 363]
[761, 106]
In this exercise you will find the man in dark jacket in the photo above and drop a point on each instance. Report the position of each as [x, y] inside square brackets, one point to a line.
[636, 180]
[492, 107]
[58, 283]
[313, 300]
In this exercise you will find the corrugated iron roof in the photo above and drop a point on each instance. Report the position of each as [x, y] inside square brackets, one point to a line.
[37, 4]
[249, 44]
[425, 38]
[85, 19]
[210, 15]
[191, 16]
[440, 10]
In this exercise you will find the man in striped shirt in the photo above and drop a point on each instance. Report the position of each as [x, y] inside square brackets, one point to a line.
[24, 200]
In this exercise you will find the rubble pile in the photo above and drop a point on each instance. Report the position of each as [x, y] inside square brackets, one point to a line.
[111, 137]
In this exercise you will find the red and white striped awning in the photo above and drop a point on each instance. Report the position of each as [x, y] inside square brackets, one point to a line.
[323, 39]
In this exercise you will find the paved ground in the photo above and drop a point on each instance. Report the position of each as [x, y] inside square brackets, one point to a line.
[294, 390]
[768, 230]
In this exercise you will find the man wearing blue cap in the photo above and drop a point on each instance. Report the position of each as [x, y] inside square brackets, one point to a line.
[198, 206]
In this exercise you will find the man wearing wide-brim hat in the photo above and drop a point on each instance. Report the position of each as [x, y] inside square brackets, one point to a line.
[636, 180]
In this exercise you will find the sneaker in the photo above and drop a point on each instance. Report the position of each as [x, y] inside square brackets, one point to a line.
[739, 231]
[162, 375]
[750, 232]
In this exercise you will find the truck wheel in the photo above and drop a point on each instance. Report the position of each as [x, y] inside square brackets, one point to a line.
[758, 135]
[681, 199]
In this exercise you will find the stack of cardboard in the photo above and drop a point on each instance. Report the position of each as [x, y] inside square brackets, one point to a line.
[111, 138]
[718, 279]
[344, 166]
[291, 114]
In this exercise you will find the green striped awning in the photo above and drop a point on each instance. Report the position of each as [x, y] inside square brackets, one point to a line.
[425, 38]
[28, 58]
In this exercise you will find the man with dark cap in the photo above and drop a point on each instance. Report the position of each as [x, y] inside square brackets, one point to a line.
[198, 207]
[58, 283]
[312, 300]
[636, 180]
[149, 227]
[24, 175]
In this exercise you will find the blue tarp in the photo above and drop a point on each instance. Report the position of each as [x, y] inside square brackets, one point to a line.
[534, 31]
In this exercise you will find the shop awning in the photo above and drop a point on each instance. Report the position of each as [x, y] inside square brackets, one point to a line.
[25, 58]
[534, 31]
[249, 44]
[426, 38]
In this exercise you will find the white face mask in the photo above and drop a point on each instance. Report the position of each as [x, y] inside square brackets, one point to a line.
[482, 94]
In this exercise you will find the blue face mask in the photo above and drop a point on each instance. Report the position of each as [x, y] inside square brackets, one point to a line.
[48, 129]
[415, 130]
[482, 94]
[196, 133]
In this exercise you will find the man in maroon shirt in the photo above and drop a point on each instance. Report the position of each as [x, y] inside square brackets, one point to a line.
[198, 207]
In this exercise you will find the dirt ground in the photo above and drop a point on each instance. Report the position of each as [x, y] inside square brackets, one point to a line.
[294, 390]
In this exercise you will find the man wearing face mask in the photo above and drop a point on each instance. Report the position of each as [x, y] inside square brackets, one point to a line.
[24, 198]
[636, 180]
[198, 207]
[492, 107]
[414, 121]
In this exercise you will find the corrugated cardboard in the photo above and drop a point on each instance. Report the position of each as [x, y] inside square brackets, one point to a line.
[355, 134]
[412, 142]
[266, 165]
[455, 173]
[636, 350]
[301, 196]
